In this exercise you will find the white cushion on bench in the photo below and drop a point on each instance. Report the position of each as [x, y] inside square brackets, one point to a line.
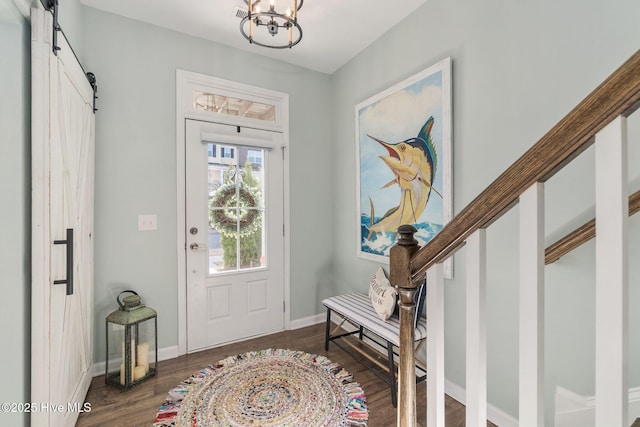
[357, 307]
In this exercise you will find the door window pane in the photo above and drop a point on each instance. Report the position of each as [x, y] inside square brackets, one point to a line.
[254, 156]
[226, 152]
[236, 212]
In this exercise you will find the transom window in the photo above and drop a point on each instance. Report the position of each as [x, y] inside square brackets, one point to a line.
[220, 104]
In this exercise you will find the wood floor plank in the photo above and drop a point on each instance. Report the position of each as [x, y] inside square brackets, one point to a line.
[138, 406]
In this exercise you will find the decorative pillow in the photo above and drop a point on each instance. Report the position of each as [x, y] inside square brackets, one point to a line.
[420, 299]
[383, 296]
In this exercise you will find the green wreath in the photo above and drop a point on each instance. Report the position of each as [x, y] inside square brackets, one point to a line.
[225, 219]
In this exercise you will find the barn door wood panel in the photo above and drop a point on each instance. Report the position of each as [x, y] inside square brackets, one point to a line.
[62, 228]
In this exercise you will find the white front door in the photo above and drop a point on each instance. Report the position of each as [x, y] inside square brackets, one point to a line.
[234, 233]
[62, 229]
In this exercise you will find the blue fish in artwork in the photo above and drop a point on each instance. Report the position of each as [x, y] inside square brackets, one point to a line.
[413, 163]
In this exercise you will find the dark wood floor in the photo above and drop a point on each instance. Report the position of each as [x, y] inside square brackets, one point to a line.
[138, 406]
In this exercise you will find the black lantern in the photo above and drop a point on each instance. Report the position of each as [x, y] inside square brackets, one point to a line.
[132, 342]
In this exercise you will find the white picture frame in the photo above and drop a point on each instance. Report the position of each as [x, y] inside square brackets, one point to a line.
[404, 162]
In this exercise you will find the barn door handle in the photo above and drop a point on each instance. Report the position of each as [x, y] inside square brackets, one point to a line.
[69, 280]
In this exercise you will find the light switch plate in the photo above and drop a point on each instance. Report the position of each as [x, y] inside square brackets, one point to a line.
[147, 222]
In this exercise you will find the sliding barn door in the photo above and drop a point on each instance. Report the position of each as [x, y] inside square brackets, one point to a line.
[62, 229]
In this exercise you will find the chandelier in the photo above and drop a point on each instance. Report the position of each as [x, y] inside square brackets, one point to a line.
[263, 27]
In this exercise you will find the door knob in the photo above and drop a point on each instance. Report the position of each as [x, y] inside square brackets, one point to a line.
[196, 247]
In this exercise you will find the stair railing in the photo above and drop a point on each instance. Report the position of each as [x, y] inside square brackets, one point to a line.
[599, 119]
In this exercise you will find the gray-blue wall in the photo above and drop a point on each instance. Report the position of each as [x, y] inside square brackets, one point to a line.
[518, 68]
[15, 210]
[136, 64]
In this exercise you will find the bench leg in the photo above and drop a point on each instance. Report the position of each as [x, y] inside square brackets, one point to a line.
[392, 375]
[327, 330]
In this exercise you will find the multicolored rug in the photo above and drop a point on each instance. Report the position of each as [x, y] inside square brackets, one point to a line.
[275, 388]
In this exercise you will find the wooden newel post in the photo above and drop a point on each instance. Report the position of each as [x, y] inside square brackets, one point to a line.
[400, 276]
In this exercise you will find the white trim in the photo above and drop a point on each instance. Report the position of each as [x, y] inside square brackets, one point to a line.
[191, 82]
[495, 415]
[307, 321]
[181, 218]
[186, 82]
[573, 409]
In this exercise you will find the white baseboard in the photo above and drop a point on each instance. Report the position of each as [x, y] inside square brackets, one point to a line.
[495, 415]
[574, 409]
[172, 352]
[307, 321]
[163, 354]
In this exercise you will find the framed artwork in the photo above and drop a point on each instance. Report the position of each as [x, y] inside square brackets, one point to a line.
[404, 161]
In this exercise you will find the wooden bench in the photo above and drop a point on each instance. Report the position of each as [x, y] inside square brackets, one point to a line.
[356, 309]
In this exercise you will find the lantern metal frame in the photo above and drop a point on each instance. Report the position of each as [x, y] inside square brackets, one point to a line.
[273, 21]
[130, 315]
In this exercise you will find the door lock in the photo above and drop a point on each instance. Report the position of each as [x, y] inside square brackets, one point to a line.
[195, 247]
[193, 230]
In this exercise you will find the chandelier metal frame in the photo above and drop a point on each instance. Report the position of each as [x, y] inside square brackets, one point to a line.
[273, 21]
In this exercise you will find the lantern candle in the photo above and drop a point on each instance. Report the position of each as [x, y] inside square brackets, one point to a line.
[143, 356]
[138, 373]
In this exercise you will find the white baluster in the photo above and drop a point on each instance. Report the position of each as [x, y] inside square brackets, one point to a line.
[435, 346]
[531, 398]
[476, 395]
[612, 210]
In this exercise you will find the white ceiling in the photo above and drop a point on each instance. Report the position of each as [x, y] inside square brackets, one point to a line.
[334, 31]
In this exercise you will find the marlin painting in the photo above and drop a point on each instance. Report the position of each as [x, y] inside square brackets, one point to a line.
[413, 163]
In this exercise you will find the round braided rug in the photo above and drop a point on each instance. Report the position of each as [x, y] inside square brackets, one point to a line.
[272, 388]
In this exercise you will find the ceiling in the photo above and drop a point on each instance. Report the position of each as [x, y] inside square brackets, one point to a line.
[334, 31]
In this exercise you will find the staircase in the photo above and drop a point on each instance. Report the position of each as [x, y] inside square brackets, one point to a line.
[600, 120]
